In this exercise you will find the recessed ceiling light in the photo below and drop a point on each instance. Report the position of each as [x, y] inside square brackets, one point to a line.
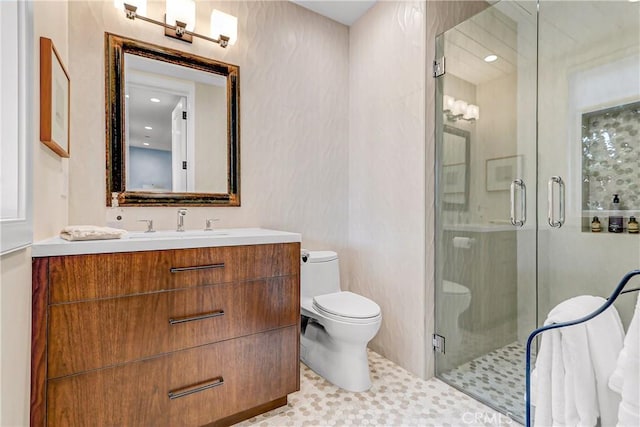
[126, 96]
[154, 100]
[148, 127]
[490, 58]
[634, 1]
[145, 143]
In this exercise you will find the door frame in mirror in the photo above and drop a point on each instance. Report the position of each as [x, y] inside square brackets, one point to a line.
[115, 49]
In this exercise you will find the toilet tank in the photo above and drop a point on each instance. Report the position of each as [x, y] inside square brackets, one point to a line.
[319, 273]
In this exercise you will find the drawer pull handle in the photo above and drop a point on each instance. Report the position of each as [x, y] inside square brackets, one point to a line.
[203, 316]
[196, 389]
[197, 267]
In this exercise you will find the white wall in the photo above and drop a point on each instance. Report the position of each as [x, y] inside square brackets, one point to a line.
[15, 338]
[386, 174]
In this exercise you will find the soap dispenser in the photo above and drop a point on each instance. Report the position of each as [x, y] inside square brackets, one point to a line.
[615, 218]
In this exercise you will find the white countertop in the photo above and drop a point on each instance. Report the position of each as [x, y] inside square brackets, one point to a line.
[160, 240]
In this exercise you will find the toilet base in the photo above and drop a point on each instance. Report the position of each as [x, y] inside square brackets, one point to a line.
[342, 364]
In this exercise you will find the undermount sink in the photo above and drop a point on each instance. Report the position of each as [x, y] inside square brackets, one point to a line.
[170, 234]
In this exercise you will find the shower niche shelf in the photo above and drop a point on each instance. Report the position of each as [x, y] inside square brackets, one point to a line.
[610, 158]
[603, 216]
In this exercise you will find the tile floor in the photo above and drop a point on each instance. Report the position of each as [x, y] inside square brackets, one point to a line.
[495, 375]
[397, 398]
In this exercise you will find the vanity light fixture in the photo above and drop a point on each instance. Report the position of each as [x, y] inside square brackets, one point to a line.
[457, 109]
[223, 23]
[183, 13]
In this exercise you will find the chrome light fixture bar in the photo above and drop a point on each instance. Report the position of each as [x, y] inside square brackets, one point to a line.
[457, 109]
[178, 31]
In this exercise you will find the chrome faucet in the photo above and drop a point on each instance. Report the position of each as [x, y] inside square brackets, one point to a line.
[181, 214]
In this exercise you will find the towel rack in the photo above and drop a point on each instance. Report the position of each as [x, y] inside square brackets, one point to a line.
[618, 291]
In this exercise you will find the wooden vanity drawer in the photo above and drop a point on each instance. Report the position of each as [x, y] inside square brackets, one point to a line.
[137, 394]
[83, 277]
[94, 334]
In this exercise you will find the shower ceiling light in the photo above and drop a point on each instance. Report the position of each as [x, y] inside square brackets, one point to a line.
[490, 58]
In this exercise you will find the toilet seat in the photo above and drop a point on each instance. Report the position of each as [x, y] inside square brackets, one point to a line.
[454, 288]
[347, 307]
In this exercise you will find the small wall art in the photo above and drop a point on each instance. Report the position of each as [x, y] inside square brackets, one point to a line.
[502, 171]
[54, 99]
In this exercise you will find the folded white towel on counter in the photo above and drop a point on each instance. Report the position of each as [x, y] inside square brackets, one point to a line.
[574, 365]
[625, 380]
[91, 232]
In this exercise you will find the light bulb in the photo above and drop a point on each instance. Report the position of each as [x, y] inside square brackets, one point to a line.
[225, 25]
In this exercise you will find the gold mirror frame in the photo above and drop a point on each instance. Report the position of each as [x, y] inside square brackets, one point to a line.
[115, 49]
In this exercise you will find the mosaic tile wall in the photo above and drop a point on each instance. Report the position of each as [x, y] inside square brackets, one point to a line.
[611, 157]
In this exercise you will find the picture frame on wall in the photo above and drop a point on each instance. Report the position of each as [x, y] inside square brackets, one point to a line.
[501, 172]
[55, 90]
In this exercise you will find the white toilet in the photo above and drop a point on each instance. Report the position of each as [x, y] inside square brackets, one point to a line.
[455, 300]
[336, 325]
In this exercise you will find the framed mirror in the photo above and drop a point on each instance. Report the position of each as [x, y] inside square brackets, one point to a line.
[455, 168]
[173, 131]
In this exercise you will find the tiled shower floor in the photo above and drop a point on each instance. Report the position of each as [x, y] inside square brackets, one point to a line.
[397, 398]
[497, 376]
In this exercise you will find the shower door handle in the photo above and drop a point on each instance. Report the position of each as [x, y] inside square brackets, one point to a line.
[551, 202]
[523, 203]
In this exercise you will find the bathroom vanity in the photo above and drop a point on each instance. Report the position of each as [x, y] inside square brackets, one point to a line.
[165, 330]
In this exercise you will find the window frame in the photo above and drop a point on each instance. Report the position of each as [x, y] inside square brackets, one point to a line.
[17, 233]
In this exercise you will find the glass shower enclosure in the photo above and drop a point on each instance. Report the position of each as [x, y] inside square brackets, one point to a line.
[537, 128]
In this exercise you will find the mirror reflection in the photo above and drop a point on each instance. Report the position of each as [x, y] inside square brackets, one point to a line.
[172, 127]
[455, 166]
[176, 134]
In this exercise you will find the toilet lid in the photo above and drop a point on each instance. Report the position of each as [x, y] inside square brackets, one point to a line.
[321, 256]
[454, 288]
[347, 304]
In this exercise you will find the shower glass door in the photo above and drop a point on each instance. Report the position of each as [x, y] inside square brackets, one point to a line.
[486, 201]
[555, 111]
[589, 138]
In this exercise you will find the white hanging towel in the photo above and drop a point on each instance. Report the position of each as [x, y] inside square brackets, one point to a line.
[625, 380]
[570, 382]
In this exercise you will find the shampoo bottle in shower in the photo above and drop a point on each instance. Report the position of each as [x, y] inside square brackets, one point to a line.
[615, 218]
